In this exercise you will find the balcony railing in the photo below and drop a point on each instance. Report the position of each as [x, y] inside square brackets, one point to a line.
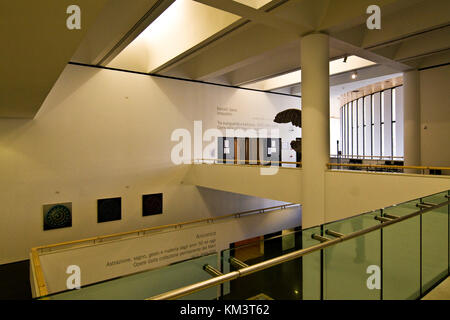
[99, 240]
[399, 252]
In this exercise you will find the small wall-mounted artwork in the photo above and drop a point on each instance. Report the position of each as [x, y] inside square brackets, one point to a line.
[109, 209]
[57, 216]
[152, 204]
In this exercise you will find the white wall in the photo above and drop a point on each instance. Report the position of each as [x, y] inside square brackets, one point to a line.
[349, 193]
[335, 125]
[104, 133]
[283, 184]
[93, 259]
[435, 116]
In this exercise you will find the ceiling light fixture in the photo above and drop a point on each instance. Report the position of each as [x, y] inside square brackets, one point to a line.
[345, 59]
[354, 75]
[292, 78]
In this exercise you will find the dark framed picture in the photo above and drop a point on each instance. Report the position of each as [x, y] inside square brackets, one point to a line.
[152, 204]
[57, 215]
[109, 209]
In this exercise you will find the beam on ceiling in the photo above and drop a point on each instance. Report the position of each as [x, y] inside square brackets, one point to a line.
[257, 16]
[237, 49]
[116, 27]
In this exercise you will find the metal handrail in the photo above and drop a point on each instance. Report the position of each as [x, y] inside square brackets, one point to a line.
[329, 165]
[35, 261]
[184, 291]
[385, 166]
[378, 158]
[240, 161]
[167, 226]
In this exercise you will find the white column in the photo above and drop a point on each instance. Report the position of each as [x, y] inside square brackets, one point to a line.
[411, 114]
[315, 126]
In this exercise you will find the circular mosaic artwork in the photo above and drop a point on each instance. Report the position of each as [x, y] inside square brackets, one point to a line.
[58, 216]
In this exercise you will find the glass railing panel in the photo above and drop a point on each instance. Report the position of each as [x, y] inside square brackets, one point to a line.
[267, 284]
[401, 254]
[146, 284]
[346, 264]
[311, 266]
[400, 261]
[435, 244]
[279, 282]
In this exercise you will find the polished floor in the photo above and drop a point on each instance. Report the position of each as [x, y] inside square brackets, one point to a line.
[441, 292]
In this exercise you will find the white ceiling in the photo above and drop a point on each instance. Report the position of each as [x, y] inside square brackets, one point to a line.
[231, 42]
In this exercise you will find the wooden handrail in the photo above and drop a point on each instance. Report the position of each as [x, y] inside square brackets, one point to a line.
[385, 166]
[42, 287]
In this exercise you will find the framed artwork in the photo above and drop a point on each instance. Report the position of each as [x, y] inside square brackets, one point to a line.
[57, 215]
[109, 209]
[152, 204]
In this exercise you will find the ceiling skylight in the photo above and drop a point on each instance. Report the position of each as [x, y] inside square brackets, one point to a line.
[292, 78]
[180, 27]
[253, 3]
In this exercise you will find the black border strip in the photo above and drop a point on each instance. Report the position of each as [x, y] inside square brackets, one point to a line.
[435, 66]
[381, 259]
[322, 266]
[177, 78]
[421, 293]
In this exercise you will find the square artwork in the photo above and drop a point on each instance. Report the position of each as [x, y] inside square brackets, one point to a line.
[109, 209]
[57, 215]
[152, 204]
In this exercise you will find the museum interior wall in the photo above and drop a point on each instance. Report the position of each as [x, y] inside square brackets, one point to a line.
[435, 116]
[106, 134]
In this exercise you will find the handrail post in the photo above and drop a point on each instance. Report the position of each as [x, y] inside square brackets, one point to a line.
[236, 263]
[325, 243]
[212, 271]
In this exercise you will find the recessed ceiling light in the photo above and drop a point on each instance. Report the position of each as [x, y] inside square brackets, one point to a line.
[354, 75]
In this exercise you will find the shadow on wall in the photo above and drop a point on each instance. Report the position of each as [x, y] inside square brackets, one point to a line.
[78, 77]
[219, 202]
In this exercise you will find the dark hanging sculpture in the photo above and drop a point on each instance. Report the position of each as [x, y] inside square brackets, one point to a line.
[290, 115]
[293, 116]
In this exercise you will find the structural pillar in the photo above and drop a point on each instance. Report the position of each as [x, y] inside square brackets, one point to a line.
[315, 126]
[411, 111]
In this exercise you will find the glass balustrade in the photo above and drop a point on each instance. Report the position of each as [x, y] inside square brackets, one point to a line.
[146, 284]
[402, 260]
[265, 284]
[345, 264]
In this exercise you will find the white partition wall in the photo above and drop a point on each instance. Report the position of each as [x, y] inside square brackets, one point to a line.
[253, 150]
[354, 128]
[372, 126]
[376, 124]
[367, 102]
[360, 126]
[241, 146]
[397, 132]
[344, 122]
[387, 124]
